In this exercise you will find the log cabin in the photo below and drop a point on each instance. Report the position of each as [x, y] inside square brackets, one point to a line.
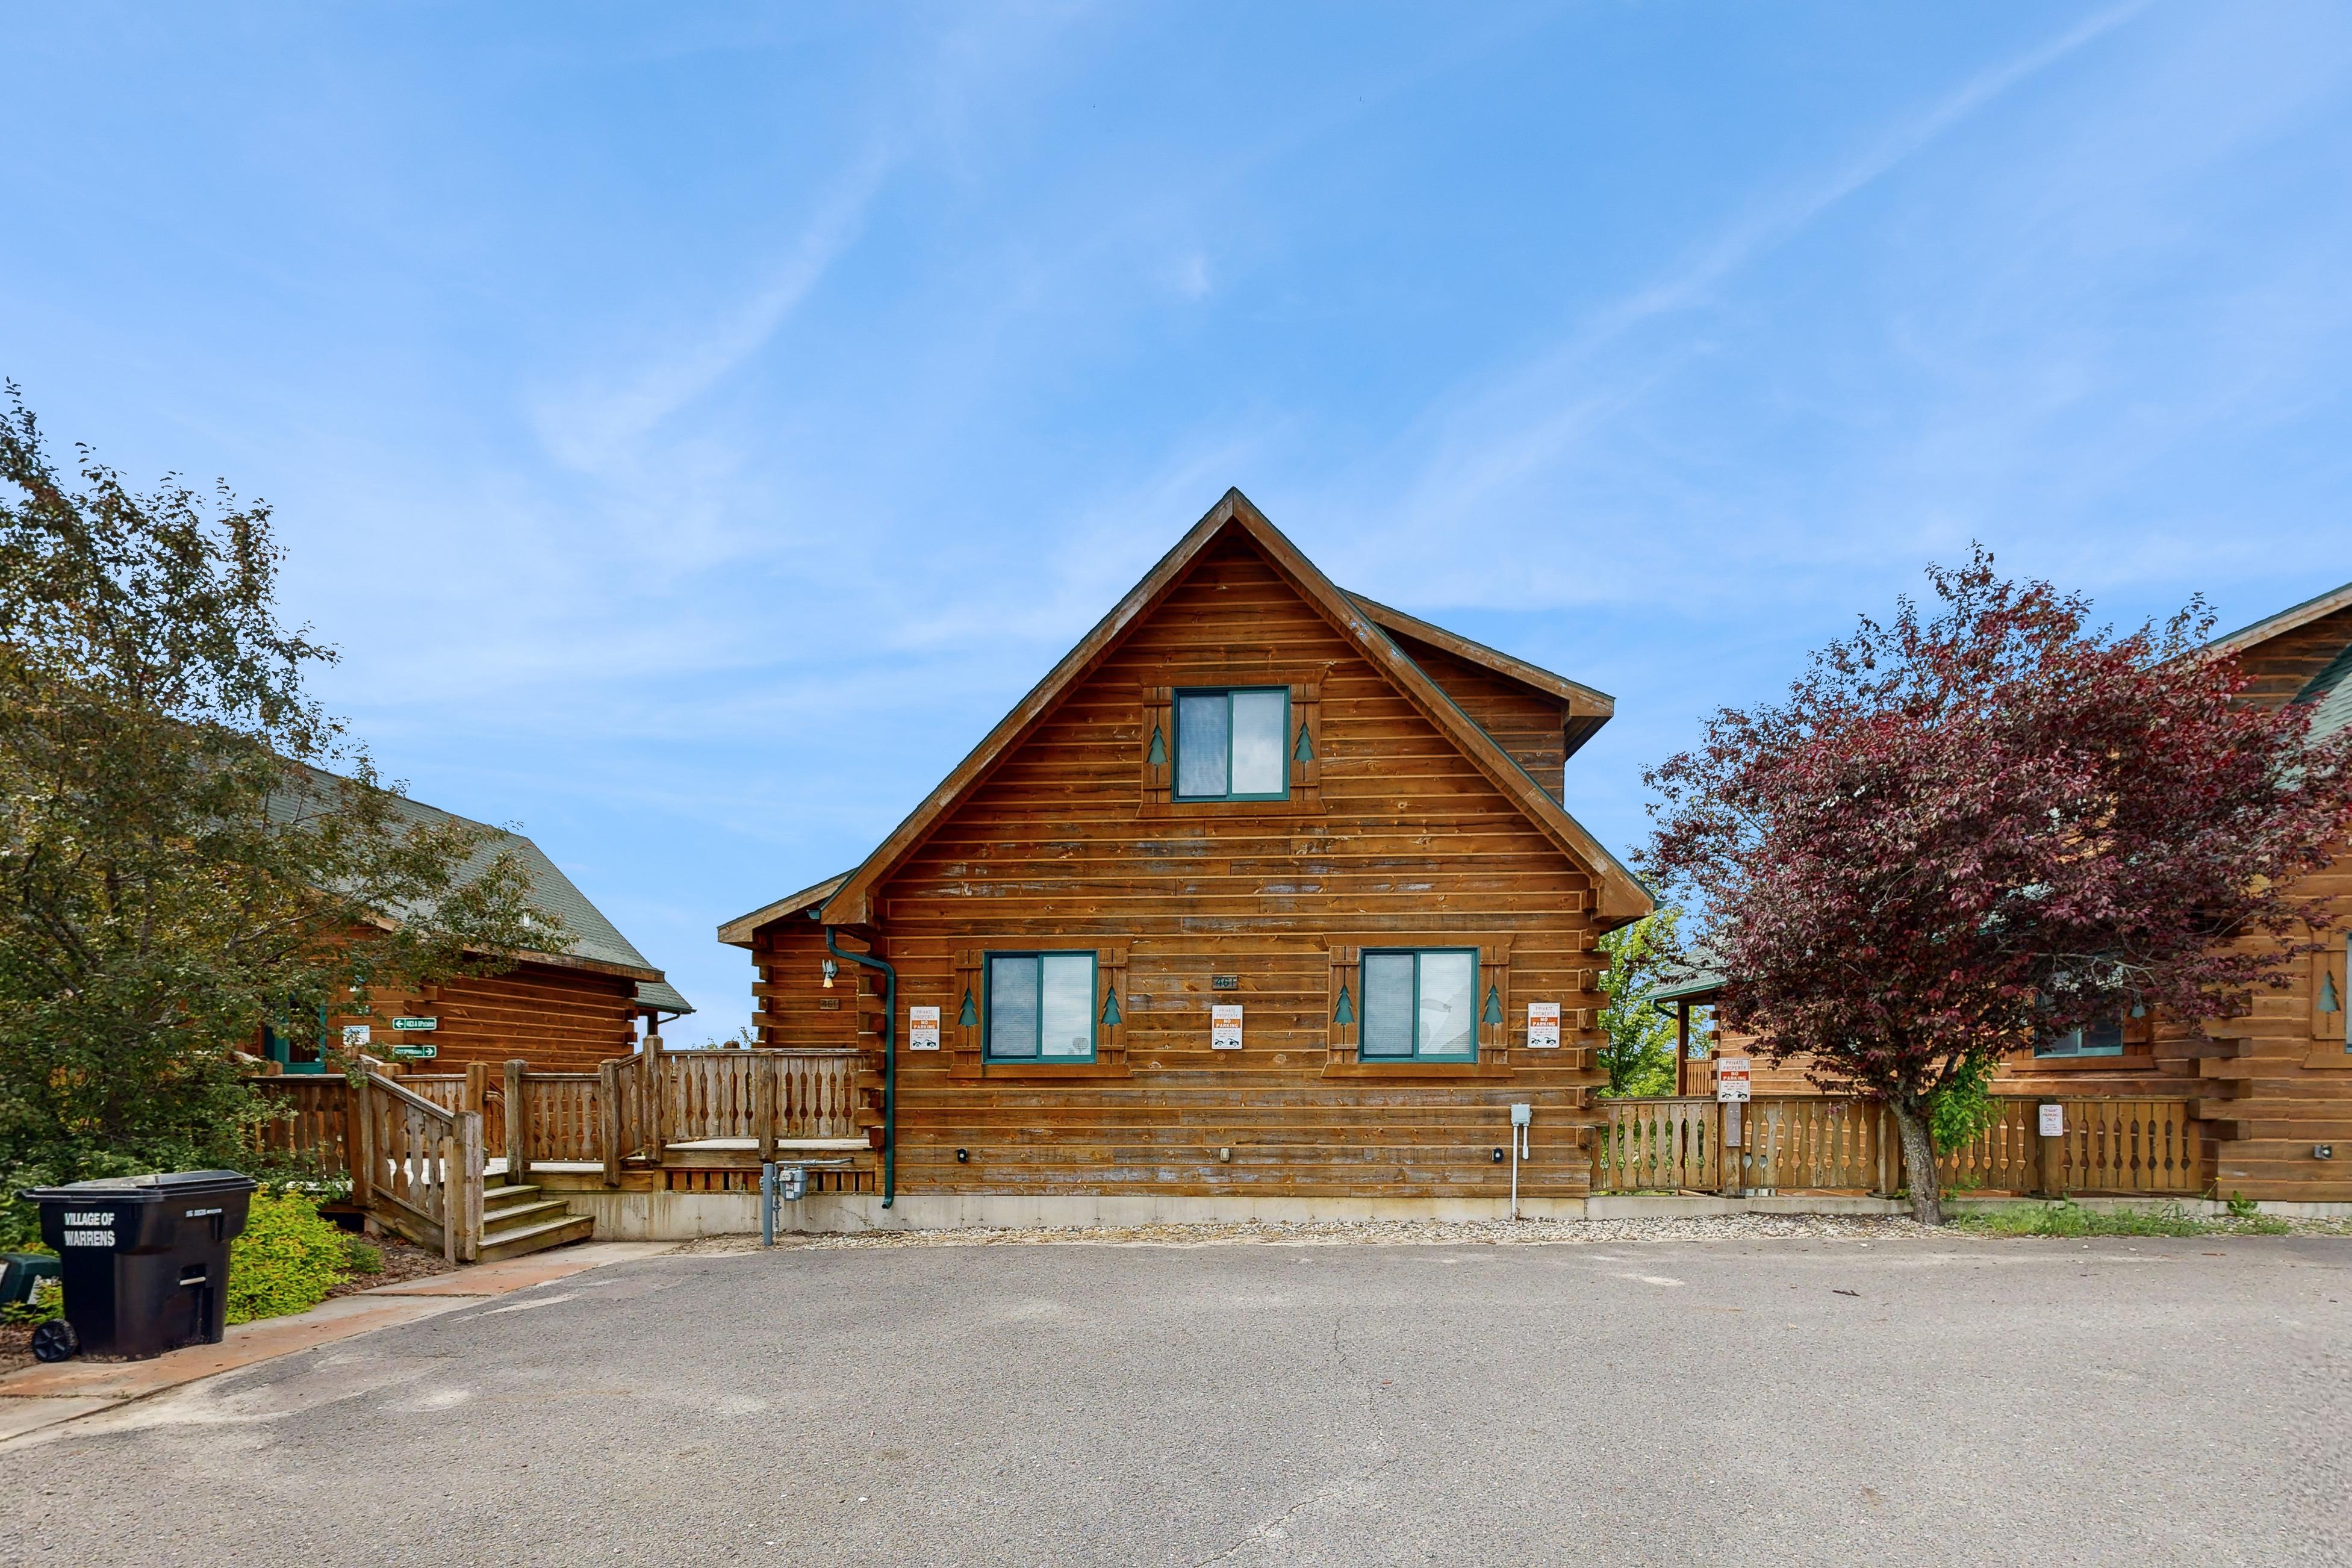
[2272, 1089]
[1264, 902]
[560, 1011]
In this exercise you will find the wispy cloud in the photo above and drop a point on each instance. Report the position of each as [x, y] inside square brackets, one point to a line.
[1484, 439]
[597, 426]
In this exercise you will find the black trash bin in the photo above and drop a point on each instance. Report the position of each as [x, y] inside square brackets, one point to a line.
[144, 1258]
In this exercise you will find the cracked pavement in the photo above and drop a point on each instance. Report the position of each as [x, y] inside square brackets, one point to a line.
[2118, 1401]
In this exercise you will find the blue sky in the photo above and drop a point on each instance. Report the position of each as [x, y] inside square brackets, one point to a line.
[698, 425]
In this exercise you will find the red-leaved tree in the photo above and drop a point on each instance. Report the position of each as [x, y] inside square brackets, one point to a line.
[1965, 832]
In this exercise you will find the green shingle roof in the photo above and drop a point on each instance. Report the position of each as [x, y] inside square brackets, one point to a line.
[593, 937]
[2330, 692]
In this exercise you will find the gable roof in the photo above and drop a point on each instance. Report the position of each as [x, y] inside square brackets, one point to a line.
[596, 942]
[737, 932]
[2285, 621]
[1587, 709]
[1617, 895]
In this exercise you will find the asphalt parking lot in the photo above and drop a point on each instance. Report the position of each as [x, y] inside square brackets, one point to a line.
[1954, 1401]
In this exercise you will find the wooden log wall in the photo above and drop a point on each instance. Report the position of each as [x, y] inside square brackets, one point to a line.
[556, 1019]
[1410, 846]
[1531, 726]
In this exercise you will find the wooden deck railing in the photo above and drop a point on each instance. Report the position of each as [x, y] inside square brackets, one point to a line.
[633, 1108]
[1823, 1142]
[419, 1166]
[1657, 1146]
[561, 1118]
[1817, 1142]
[481, 1090]
[310, 1123]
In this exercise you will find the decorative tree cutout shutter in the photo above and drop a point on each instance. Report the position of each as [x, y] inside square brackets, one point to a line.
[1307, 744]
[2327, 995]
[1110, 1007]
[1158, 743]
[1495, 984]
[1342, 1010]
[963, 1056]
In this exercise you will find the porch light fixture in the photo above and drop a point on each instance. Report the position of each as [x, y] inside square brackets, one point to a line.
[830, 969]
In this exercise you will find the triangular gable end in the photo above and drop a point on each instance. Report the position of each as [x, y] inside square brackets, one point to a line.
[1618, 897]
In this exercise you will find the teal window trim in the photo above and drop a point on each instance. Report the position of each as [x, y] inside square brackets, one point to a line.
[2101, 1040]
[277, 1046]
[1176, 723]
[1037, 957]
[1417, 954]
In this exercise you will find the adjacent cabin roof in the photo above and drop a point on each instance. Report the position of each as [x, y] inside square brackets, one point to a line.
[596, 943]
[1692, 982]
[2285, 621]
[737, 932]
[1618, 897]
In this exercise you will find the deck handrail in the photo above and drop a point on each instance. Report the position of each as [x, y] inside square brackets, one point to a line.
[2111, 1144]
[419, 1163]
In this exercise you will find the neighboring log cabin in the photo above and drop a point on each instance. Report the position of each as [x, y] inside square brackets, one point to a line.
[1266, 891]
[2272, 1089]
[560, 1012]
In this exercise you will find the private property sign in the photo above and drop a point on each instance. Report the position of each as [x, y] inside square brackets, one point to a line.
[1543, 1026]
[1226, 1026]
[922, 1028]
[1731, 1078]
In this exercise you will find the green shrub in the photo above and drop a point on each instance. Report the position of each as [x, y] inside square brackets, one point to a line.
[48, 1301]
[1963, 1108]
[2066, 1218]
[2243, 1206]
[362, 1257]
[286, 1260]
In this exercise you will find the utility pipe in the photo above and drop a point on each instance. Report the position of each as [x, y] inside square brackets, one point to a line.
[889, 1062]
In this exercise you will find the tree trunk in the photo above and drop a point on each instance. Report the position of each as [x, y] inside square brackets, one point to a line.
[1919, 1163]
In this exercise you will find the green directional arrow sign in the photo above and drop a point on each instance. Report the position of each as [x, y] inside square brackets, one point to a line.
[416, 1023]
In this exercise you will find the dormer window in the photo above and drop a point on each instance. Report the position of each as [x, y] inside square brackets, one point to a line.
[1230, 744]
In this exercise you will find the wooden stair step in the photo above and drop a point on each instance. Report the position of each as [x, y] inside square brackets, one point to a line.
[513, 1215]
[516, 1243]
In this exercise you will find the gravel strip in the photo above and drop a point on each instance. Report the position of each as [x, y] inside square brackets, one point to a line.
[1373, 1233]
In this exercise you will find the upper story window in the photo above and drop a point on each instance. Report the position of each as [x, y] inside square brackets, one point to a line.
[1229, 744]
[1041, 1006]
[2098, 1040]
[1420, 1004]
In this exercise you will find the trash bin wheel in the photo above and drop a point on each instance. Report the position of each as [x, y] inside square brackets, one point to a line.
[55, 1341]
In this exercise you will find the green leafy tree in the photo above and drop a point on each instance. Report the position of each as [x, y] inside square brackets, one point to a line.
[190, 847]
[1639, 1054]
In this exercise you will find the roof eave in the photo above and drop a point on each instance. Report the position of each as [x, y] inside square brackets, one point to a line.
[2284, 622]
[739, 932]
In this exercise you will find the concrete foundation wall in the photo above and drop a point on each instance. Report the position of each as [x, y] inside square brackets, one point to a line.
[682, 1216]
